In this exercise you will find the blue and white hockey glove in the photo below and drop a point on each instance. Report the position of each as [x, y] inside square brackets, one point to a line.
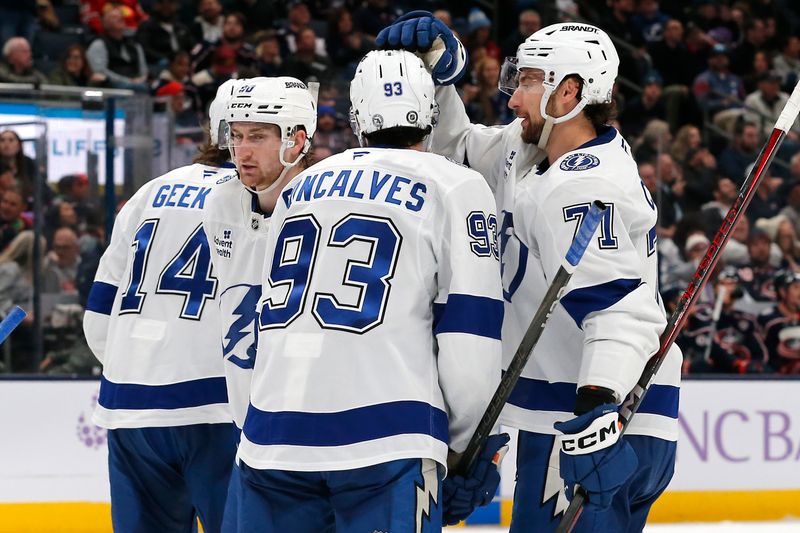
[594, 455]
[437, 46]
[460, 495]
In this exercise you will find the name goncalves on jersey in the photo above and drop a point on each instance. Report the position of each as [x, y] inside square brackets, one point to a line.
[224, 245]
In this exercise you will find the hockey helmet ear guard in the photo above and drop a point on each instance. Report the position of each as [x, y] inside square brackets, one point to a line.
[391, 88]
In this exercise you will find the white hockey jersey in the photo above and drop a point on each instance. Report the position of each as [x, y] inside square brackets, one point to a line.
[151, 316]
[381, 314]
[610, 316]
[237, 233]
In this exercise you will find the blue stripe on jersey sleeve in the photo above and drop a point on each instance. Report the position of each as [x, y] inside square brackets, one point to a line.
[101, 298]
[580, 302]
[476, 315]
[345, 427]
[195, 393]
[540, 395]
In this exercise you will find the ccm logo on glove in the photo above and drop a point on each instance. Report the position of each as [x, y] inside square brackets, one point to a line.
[601, 433]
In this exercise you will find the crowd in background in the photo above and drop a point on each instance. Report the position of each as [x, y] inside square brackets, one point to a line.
[702, 83]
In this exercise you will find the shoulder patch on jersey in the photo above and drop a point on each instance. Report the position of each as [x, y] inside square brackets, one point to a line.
[579, 161]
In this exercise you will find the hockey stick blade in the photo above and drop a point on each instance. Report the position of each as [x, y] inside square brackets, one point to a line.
[695, 287]
[10, 322]
[576, 250]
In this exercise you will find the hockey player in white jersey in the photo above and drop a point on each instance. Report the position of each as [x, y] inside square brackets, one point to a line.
[380, 323]
[238, 215]
[153, 322]
[546, 168]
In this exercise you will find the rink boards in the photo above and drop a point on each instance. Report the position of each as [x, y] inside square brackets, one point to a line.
[738, 456]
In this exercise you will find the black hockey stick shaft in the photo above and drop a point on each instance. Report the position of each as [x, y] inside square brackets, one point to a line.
[689, 296]
[576, 250]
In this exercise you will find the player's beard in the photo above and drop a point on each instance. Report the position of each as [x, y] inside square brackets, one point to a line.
[532, 132]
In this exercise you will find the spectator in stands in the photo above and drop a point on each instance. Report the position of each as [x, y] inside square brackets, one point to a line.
[479, 35]
[765, 105]
[345, 44]
[181, 107]
[645, 107]
[787, 62]
[733, 160]
[671, 58]
[93, 11]
[687, 138]
[12, 204]
[17, 65]
[714, 212]
[74, 188]
[737, 333]
[792, 209]
[117, 56]
[269, 61]
[649, 21]
[655, 140]
[16, 288]
[207, 25]
[786, 239]
[699, 171]
[735, 252]
[60, 266]
[163, 35]
[74, 69]
[529, 23]
[179, 70]
[61, 214]
[7, 179]
[757, 278]
[21, 166]
[332, 131]
[374, 16]
[761, 66]
[754, 37]
[718, 91]
[766, 202]
[781, 325]
[484, 102]
[306, 64]
[222, 59]
[617, 21]
[298, 19]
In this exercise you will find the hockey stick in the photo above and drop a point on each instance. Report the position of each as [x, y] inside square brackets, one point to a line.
[707, 264]
[579, 244]
[10, 322]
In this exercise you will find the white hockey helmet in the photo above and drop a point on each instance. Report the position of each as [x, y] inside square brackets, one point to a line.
[391, 88]
[564, 49]
[284, 101]
[216, 111]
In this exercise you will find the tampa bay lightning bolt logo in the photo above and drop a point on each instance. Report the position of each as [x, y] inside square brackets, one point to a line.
[579, 162]
[241, 354]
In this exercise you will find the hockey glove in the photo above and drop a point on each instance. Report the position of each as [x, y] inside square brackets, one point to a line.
[437, 46]
[460, 495]
[594, 455]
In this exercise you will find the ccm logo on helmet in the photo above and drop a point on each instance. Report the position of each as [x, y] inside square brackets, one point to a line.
[240, 105]
[586, 440]
[295, 85]
[576, 27]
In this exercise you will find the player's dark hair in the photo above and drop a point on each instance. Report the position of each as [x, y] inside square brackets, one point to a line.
[401, 136]
[598, 114]
[211, 155]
